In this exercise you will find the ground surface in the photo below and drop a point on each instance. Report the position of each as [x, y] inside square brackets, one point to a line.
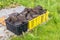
[4, 33]
[48, 31]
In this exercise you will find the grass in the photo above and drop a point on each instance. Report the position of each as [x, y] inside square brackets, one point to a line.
[48, 31]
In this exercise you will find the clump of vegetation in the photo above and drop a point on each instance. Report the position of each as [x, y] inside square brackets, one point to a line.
[8, 4]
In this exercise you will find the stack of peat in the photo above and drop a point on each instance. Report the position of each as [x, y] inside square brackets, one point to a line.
[18, 22]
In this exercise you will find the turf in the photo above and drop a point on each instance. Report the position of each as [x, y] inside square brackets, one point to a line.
[48, 31]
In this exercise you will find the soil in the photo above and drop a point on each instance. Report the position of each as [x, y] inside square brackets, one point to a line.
[26, 15]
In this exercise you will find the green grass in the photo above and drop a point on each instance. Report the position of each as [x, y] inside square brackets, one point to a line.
[48, 31]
